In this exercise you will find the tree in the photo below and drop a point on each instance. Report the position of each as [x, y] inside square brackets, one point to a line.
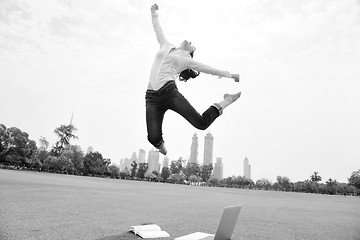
[165, 173]
[50, 164]
[194, 179]
[42, 153]
[15, 147]
[44, 143]
[114, 171]
[205, 172]
[95, 164]
[77, 157]
[133, 169]
[124, 174]
[177, 178]
[354, 179]
[143, 167]
[150, 176]
[213, 181]
[192, 169]
[65, 134]
[263, 184]
[284, 183]
[176, 166]
[331, 186]
[315, 177]
[61, 164]
[311, 187]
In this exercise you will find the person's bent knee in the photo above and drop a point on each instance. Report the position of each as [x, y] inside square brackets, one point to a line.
[155, 140]
[202, 127]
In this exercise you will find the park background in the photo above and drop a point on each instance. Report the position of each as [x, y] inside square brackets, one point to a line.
[299, 111]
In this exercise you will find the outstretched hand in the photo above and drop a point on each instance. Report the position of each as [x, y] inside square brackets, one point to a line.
[236, 77]
[154, 7]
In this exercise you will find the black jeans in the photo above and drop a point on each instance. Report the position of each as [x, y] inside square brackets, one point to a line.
[168, 97]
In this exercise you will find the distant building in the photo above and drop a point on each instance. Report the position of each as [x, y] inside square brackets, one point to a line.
[141, 158]
[247, 168]
[125, 164]
[208, 149]
[134, 158]
[165, 162]
[89, 150]
[153, 161]
[194, 149]
[218, 169]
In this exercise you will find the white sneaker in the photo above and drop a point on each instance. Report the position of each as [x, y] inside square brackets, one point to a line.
[232, 97]
[162, 148]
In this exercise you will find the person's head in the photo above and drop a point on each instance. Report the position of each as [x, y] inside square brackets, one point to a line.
[188, 73]
[186, 45]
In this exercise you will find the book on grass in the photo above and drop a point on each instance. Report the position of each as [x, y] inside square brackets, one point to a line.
[197, 236]
[149, 231]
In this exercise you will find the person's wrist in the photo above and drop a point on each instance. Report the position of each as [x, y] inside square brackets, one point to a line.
[236, 77]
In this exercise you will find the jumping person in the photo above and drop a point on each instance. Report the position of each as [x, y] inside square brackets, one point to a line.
[162, 93]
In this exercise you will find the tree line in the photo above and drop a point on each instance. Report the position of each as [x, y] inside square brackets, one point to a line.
[18, 151]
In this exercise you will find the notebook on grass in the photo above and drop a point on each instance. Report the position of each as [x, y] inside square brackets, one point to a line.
[225, 229]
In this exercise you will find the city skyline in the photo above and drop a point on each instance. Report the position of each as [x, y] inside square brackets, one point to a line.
[154, 158]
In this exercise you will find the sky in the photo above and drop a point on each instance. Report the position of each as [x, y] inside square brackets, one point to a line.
[298, 61]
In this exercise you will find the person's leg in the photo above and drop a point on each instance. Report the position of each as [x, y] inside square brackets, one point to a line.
[154, 119]
[182, 106]
[228, 99]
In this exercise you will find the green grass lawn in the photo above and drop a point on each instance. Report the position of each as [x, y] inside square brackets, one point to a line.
[50, 206]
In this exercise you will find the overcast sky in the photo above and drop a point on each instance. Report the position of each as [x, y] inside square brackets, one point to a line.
[298, 60]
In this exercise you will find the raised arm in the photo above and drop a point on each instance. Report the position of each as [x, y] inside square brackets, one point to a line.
[190, 63]
[156, 24]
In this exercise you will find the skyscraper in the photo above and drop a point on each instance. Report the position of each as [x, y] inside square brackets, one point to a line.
[218, 169]
[165, 162]
[134, 158]
[194, 149]
[208, 149]
[247, 168]
[141, 156]
[153, 161]
[125, 164]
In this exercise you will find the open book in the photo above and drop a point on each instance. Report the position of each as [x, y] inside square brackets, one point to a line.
[149, 231]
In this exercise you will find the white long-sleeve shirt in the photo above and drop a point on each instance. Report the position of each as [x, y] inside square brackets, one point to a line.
[168, 64]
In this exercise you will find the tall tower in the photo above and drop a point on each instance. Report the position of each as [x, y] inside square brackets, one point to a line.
[208, 149]
[153, 161]
[247, 168]
[218, 169]
[141, 156]
[194, 149]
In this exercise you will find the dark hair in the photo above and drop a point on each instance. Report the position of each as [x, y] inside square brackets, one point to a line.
[188, 73]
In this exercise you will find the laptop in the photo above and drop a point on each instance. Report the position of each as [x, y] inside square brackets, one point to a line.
[225, 229]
